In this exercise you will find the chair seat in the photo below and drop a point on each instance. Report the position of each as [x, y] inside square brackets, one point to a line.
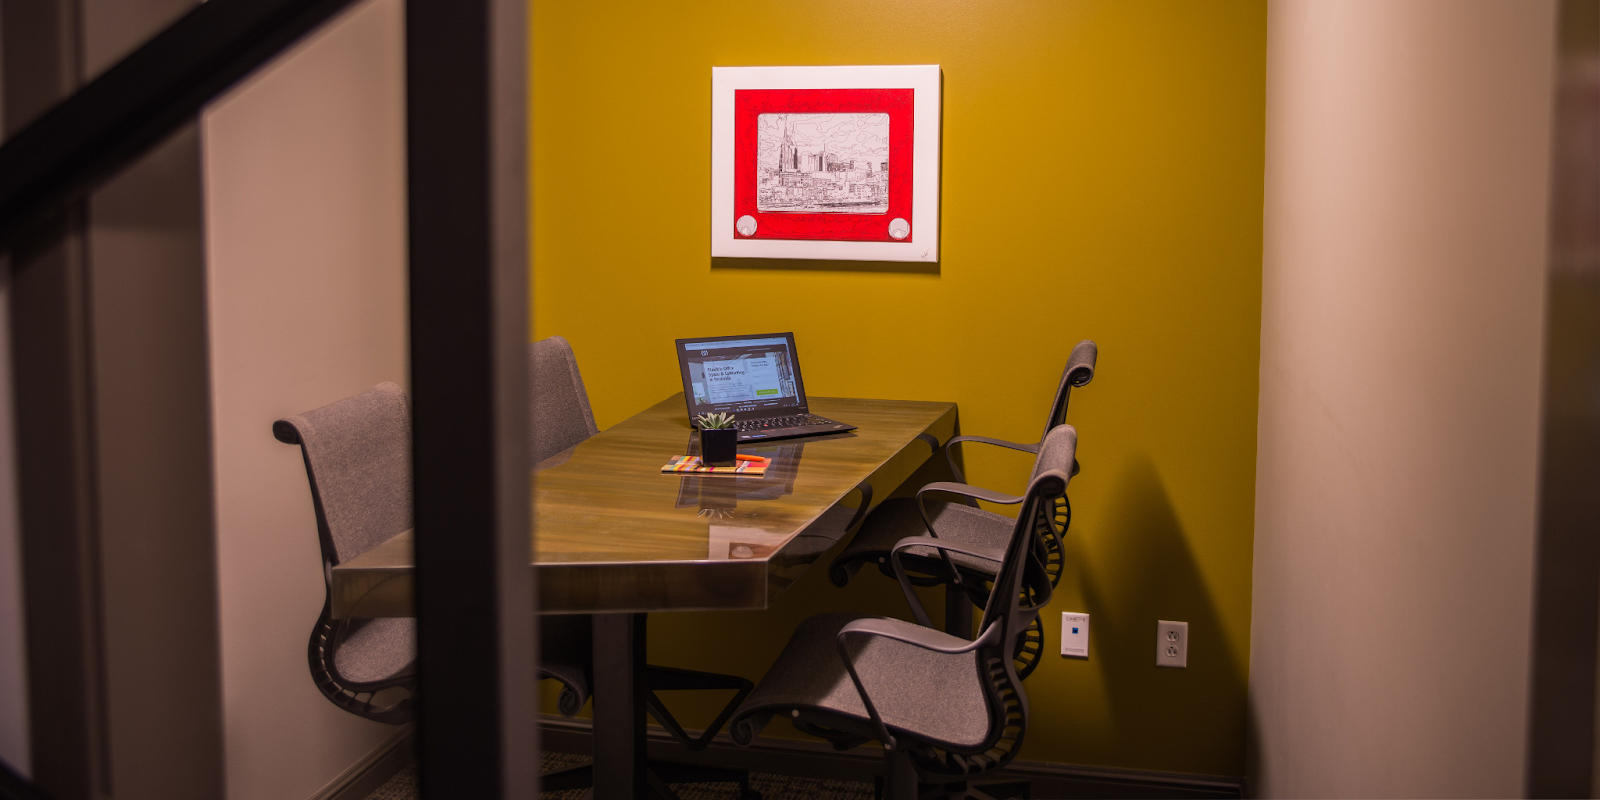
[377, 650]
[963, 525]
[933, 697]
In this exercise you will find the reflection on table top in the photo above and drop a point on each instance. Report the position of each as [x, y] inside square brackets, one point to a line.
[614, 533]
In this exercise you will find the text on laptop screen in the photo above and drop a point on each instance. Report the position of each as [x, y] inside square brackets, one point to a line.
[742, 374]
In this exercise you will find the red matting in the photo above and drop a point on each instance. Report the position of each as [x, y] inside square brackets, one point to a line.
[750, 104]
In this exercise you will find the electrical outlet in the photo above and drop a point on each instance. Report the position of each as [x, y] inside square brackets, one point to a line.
[1172, 644]
[1074, 634]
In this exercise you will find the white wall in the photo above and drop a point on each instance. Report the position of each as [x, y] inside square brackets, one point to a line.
[1407, 158]
[305, 207]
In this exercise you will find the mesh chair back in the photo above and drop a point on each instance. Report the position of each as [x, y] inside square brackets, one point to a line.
[560, 411]
[1078, 372]
[1021, 588]
[358, 456]
[560, 417]
[1021, 576]
[357, 453]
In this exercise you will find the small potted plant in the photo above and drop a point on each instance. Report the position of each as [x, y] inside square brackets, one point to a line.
[718, 439]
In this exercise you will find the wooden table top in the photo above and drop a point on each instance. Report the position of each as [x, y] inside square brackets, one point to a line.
[613, 533]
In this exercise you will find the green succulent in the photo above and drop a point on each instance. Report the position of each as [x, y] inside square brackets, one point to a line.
[714, 422]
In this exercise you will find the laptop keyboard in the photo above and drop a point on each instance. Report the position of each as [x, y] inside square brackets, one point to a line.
[780, 422]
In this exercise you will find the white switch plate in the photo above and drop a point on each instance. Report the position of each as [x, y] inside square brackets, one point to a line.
[1074, 634]
[1172, 644]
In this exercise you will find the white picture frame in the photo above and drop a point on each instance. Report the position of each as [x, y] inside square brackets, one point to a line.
[812, 162]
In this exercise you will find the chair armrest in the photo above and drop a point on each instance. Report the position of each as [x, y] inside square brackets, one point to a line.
[950, 454]
[920, 635]
[865, 488]
[968, 490]
[924, 637]
[945, 549]
[1080, 365]
[961, 489]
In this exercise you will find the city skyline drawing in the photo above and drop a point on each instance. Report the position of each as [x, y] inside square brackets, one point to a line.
[823, 163]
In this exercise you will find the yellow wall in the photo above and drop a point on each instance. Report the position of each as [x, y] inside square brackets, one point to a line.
[1102, 178]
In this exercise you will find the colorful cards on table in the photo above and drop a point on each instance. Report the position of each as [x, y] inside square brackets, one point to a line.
[754, 466]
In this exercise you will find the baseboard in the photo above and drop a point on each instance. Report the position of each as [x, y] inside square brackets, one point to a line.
[812, 759]
[365, 776]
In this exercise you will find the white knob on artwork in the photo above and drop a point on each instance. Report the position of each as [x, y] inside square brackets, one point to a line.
[746, 225]
[899, 228]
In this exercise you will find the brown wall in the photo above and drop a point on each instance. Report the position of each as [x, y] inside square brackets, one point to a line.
[1566, 658]
[13, 655]
[1402, 314]
[305, 210]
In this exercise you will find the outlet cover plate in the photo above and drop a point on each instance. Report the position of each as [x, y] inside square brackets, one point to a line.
[1074, 634]
[1172, 644]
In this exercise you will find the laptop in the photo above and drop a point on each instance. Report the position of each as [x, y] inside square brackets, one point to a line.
[754, 377]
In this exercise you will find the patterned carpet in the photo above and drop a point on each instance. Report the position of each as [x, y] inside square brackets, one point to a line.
[403, 786]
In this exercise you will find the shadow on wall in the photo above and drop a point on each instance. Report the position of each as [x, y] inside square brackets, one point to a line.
[1138, 568]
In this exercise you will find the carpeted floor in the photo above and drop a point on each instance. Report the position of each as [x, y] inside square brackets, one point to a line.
[403, 786]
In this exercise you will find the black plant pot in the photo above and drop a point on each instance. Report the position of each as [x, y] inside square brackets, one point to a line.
[718, 446]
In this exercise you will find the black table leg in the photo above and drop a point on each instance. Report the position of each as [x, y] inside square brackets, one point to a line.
[957, 612]
[619, 707]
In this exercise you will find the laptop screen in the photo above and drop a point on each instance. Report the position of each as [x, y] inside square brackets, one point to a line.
[757, 375]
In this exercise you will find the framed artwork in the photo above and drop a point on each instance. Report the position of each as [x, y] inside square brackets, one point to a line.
[825, 162]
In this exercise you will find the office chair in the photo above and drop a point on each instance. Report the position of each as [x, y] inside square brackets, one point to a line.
[357, 453]
[968, 525]
[560, 418]
[945, 709]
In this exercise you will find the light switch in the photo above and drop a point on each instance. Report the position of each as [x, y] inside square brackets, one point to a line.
[1074, 634]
